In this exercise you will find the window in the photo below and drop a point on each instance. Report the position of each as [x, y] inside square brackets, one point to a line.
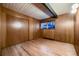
[43, 25]
[48, 25]
[51, 25]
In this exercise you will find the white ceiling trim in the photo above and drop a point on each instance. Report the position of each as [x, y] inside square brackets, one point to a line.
[60, 8]
[27, 9]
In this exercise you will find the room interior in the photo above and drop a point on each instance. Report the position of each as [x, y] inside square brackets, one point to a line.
[39, 29]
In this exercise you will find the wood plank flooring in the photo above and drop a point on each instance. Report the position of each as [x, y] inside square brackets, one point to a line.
[40, 47]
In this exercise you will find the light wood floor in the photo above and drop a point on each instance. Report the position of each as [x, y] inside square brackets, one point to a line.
[40, 47]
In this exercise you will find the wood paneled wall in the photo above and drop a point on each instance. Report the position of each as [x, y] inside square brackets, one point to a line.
[37, 29]
[11, 36]
[77, 32]
[3, 27]
[31, 29]
[49, 33]
[0, 29]
[34, 29]
[16, 34]
[64, 30]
